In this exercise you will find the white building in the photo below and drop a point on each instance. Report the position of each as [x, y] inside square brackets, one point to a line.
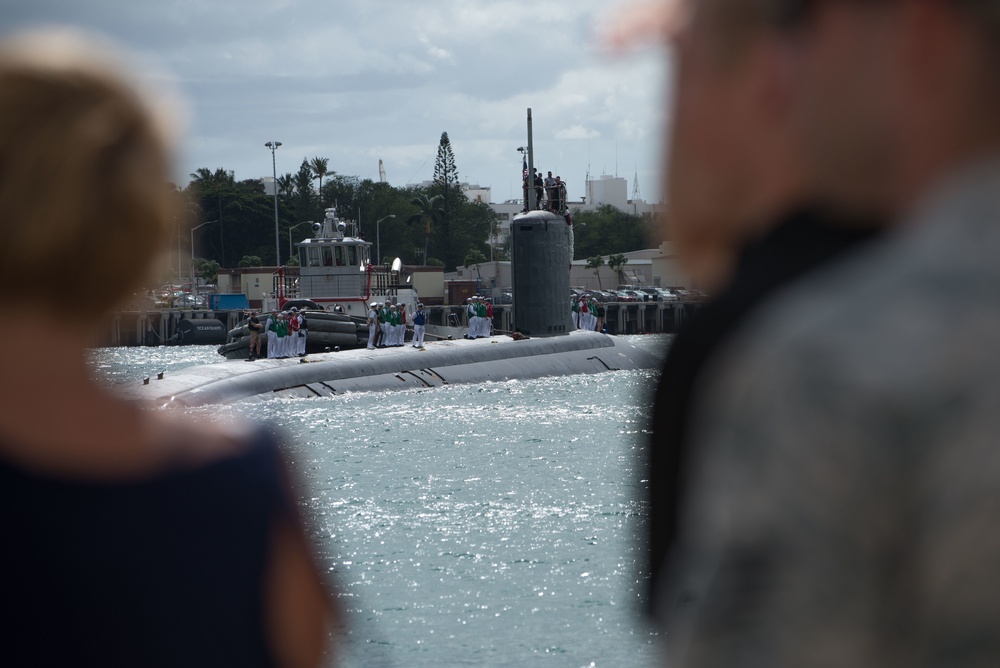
[269, 185]
[607, 189]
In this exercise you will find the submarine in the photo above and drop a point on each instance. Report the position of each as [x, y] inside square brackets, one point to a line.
[544, 345]
[544, 342]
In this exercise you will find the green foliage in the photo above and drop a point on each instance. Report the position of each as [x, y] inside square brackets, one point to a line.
[320, 168]
[445, 170]
[435, 222]
[595, 263]
[242, 208]
[208, 270]
[616, 263]
[249, 261]
[473, 258]
[607, 231]
[429, 212]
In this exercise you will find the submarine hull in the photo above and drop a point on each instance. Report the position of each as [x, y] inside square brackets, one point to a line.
[440, 363]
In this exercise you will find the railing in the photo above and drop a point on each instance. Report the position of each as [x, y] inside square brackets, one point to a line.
[377, 282]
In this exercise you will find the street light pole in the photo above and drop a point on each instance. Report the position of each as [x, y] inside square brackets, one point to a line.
[192, 247]
[273, 145]
[378, 238]
[305, 222]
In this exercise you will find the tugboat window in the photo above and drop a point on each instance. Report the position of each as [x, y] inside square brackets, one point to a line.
[352, 256]
[313, 257]
[327, 256]
[341, 259]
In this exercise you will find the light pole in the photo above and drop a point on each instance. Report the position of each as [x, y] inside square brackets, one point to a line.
[273, 145]
[378, 238]
[192, 247]
[305, 222]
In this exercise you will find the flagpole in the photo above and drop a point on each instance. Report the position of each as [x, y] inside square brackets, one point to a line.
[532, 204]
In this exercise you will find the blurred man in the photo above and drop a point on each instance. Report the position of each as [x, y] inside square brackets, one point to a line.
[746, 216]
[843, 504]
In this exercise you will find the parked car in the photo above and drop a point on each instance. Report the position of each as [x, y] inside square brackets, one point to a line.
[626, 296]
[666, 295]
[639, 295]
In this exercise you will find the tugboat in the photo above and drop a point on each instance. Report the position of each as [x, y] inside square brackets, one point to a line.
[336, 283]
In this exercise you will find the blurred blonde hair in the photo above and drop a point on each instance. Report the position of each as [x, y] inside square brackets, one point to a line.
[84, 199]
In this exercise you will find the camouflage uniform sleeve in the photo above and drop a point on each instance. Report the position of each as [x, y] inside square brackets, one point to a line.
[842, 513]
[792, 521]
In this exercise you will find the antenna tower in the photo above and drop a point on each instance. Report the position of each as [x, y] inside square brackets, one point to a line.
[381, 171]
[635, 191]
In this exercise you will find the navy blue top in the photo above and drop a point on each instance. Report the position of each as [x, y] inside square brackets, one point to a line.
[163, 571]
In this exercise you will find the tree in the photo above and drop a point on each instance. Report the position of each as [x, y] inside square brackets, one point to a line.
[249, 261]
[616, 263]
[429, 210]
[474, 258]
[286, 185]
[595, 263]
[320, 168]
[607, 230]
[304, 200]
[207, 269]
[446, 185]
[445, 170]
[218, 182]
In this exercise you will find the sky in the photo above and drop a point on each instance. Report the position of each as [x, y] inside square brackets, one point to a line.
[363, 80]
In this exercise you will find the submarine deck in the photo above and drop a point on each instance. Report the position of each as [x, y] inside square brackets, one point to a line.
[498, 358]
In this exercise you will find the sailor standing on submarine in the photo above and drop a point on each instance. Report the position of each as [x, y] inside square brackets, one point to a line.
[372, 325]
[271, 327]
[300, 343]
[419, 323]
[470, 310]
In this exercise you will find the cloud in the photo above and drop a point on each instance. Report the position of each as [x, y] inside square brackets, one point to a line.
[577, 132]
[436, 51]
[359, 81]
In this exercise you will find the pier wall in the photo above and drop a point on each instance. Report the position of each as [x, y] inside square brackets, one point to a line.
[155, 326]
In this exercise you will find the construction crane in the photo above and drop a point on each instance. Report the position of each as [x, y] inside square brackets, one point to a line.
[381, 171]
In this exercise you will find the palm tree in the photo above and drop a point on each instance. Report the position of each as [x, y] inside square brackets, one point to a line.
[616, 263]
[319, 170]
[286, 184]
[596, 263]
[474, 258]
[430, 210]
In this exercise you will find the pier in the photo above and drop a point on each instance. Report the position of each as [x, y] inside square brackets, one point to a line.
[154, 327]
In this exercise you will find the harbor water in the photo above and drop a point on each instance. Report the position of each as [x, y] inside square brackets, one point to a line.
[473, 525]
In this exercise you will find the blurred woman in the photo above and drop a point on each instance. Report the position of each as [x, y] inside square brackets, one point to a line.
[131, 537]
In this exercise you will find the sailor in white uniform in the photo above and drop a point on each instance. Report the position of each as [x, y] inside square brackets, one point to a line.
[372, 325]
[300, 341]
[470, 309]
